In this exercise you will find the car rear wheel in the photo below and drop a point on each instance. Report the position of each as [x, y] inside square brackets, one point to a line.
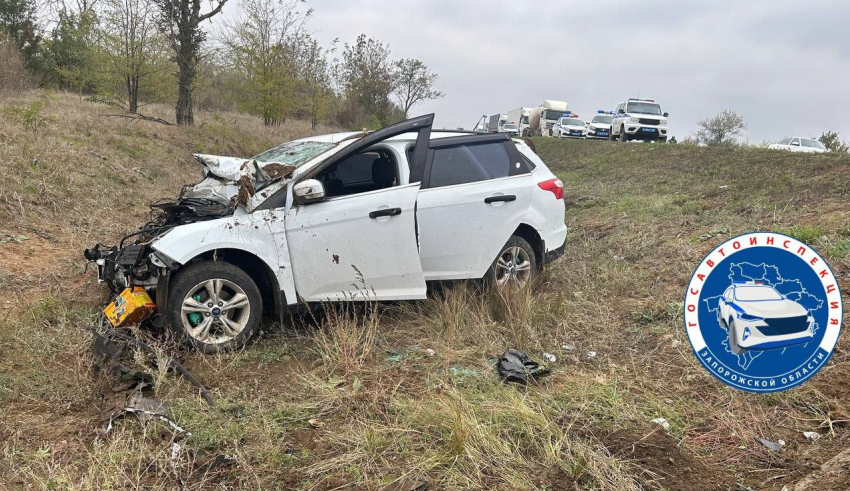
[623, 136]
[733, 340]
[515, 266]
[214, 306]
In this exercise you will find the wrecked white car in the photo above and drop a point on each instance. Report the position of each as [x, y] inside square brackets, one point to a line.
[345, 217]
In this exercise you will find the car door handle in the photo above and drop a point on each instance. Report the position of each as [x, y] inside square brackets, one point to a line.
[504, 197]
[386, 212]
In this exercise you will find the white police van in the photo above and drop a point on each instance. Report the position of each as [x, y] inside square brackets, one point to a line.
[639, 119]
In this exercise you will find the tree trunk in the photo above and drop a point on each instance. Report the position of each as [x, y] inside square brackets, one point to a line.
[185, 114]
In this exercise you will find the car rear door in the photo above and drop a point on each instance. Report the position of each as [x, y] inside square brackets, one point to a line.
[360, 246]
[475, 191]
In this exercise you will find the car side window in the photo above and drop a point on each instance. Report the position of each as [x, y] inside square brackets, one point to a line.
[362, 172]
[786, 141]
[466, 163]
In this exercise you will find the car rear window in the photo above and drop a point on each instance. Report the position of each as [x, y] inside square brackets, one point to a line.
[469, 163]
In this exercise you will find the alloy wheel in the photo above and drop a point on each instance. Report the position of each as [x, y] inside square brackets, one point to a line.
[215, 311]
[513, 266]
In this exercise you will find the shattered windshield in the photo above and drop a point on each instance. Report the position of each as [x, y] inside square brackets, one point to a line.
[294, 153]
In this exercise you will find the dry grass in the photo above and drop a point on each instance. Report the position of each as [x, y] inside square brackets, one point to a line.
[352, 399]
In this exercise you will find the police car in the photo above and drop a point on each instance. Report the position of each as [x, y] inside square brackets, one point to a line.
[639, 119]
[600, 125]
[569, 127]
[757, 317]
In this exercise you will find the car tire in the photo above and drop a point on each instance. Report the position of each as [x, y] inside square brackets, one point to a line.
[733, 340]
[663, 140]
[611, 136]
[198, 311]
[515, 265]
[623, 136]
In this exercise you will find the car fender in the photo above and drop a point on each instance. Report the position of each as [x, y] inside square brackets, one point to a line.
[260, 233]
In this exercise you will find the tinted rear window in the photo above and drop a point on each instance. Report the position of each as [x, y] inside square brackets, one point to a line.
[469, 163]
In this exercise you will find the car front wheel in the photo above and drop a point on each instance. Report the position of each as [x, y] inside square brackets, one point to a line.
[733, 340]
[516, 265]
[214, 306]
[623, 136]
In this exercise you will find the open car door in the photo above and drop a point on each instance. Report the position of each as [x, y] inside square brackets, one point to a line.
[360, 244]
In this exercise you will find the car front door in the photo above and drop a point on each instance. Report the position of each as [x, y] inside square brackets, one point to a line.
[360, 242]
[475, 192]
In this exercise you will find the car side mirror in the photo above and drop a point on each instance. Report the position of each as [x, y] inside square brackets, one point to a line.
[308, 191]
[796, 144]
[666, 114]
[620, 111]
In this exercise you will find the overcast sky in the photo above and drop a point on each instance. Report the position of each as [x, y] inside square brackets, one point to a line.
[784, 65]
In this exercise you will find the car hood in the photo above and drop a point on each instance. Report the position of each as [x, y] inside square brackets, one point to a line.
[773, 308]
[575, 128]
[600, 126]
[230, 178]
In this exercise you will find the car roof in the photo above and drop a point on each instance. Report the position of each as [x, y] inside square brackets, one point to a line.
[343, 136]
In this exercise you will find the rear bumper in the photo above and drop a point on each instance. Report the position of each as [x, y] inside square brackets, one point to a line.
[554, 254]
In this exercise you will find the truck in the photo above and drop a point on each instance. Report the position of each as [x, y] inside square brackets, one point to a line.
[545, 116]
[520, 117]
[496, 121]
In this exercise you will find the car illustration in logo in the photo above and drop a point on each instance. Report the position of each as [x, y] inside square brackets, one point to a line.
[758, 317]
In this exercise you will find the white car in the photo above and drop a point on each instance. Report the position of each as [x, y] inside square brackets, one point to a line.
[639, 119]
[340, 217]
[799, 144]
[757, 317]
[510, 128]
[599, 126]
[569, 127]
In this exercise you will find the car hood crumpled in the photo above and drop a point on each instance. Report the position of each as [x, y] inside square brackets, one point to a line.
[229, 179]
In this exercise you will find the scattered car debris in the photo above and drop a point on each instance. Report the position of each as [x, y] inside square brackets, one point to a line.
[591, 354]
[430, 352]
[550, 357]
[113, 343]
[516, 366]
[567, 347]
[407, 483]
[662, 422]
[775, 446]
[145, 409]
[812, 436]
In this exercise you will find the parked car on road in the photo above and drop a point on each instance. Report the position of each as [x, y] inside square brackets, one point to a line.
[799, 144]
[570, 127]
[341, 217]
[757, 317]
[599, 126]
[639, 119]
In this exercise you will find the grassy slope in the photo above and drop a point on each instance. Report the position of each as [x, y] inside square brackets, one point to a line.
[382, 407]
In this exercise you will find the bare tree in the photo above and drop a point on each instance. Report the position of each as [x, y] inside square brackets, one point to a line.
[264, 45]
[181, 20]
[414, 83]
[132, 42]
[722, 130]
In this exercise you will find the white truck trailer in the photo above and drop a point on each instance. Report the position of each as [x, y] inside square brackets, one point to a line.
[545, 116]
[495, 123]
[520, 117]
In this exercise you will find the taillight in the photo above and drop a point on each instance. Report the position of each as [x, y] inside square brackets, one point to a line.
[555, 186]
